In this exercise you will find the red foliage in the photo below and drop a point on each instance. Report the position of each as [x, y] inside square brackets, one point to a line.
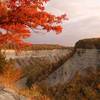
[17, 17]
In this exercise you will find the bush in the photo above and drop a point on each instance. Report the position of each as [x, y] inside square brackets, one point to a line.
[2, 62]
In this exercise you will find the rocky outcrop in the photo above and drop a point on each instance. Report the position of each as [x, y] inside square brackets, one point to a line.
[8, 94]
[81, 57]
[12, 54]
[38, 68]
[87, 54]
[93, 43]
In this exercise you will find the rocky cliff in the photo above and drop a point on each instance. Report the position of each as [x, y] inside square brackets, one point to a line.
[8, 94]
[42, 63]
[58, 66]
[87, 54]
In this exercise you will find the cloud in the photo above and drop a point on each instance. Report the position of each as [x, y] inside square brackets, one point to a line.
[73, 31]
[76, 8]
[84, 21]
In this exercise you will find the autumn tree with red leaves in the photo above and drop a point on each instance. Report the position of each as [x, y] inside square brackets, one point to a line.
[17, 17]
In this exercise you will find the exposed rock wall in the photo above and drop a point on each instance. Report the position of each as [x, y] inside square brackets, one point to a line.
[82, 58]
[12, 54]
[38, 68]
[8, 94]
[29, 58]
[35, 53]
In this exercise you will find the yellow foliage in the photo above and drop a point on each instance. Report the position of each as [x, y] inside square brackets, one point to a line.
[10, 75]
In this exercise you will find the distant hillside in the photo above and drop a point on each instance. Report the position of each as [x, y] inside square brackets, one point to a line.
[35, 47]
[47, 46]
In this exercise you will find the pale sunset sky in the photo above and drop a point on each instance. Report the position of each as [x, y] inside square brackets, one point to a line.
[84, 22]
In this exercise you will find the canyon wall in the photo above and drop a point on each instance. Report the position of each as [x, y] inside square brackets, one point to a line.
[12, 54]
[40, 63]
[9, 94]
[30, 58]
[85, 54]
[83, 58]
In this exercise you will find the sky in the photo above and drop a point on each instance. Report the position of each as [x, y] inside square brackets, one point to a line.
[84, 22]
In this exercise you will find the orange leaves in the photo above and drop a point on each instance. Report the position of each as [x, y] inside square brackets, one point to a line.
[3, 10]
[10, 75]
[24, 14]
[58, 29]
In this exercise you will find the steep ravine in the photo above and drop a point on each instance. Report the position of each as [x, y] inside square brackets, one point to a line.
[82, 58]
[39, 64]
[85, 56]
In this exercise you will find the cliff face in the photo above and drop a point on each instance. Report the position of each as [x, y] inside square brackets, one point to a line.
[57, 70]
[40, 57]
[88, 43]
[58, 66]
[40, 64]
[8, 94]
[81, 59]
[12, 54]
